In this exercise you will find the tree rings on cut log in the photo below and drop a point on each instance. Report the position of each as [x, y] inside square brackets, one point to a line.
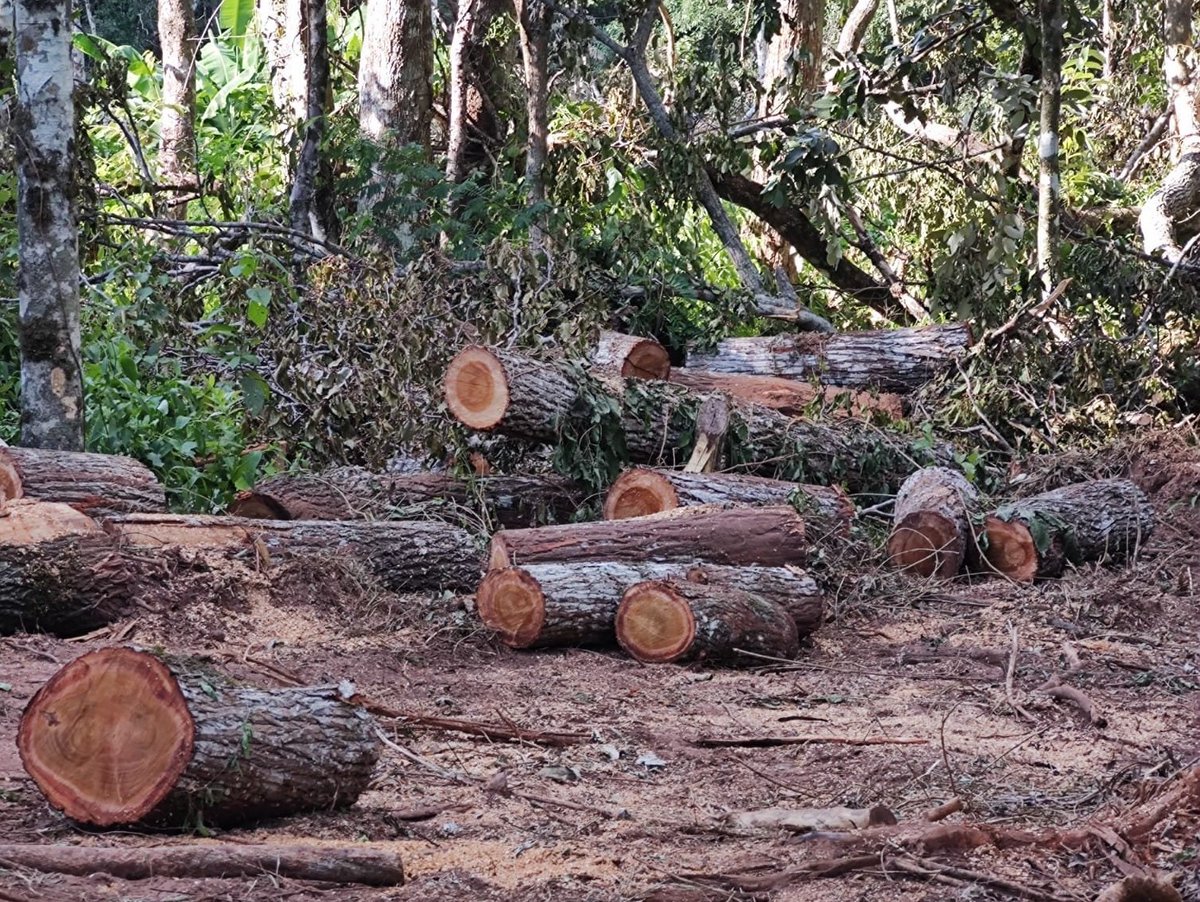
[660, 622]
[491, 389]
[477, 388]
[931, 524]
[631, 356]
[511, 603]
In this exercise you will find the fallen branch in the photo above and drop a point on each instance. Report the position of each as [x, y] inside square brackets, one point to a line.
[764, 742]
[1056, 688]
[510, 732]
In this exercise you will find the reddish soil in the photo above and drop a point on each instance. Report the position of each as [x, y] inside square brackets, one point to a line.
[884, 668]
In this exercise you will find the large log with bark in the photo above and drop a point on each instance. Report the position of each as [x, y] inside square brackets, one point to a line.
[1037, 536]
[404, 555]
[119, 736]
[499, 391]
[766, 536]
[895, 360]
[659, 622]
[643, 491]
[573, 604]
[932, 529]
[790, 396]
[352, 493]
[631, 356]
[90, 483]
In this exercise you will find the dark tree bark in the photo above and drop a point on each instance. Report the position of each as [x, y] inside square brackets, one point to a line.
[395, 72]
[177, 125]
[52, 414]
[533, 21]
[311, 200]
[90, 483]
[460, 45]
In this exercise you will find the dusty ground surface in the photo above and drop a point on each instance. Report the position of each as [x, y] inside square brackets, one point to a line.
[626, 829]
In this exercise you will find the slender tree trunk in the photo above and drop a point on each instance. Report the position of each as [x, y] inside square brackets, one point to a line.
[1108, 37]
[395, 73]
[281, 23]
[48, 281]
[533, 18]
[858, 20]
[793, 60]
[460, 42]
[311, 199]
[1048, 178]
[177, 157]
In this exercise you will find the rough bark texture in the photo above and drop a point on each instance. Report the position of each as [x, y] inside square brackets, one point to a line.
[404, 555]
[120, 737]
[282, 25]
[494, 390]
[659, 622]
[899, 360]
[533, 25]
[6, 27]
[790, 396]
[644, 491]
[460, 41]
[328, 864]
[95, 484]
[177, 130]
[931, 523]
[793, 61]
[767, 536]
[1037, 536]
[631, 356]
[570, 604]
[395, 72]
[351, 493]
[311, 200]
[48, 276]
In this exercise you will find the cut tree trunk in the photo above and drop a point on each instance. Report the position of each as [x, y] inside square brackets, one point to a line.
[404, 555]
[643, 491]
[1036, 537]
[548, 605]
[631, 356]
[659, 622]
[322, 864]
[897, 360]
[91, 483]
[790, 396]
[493, 390]
[120, 737]
[351, 493]
[767, 536]
[931, 523]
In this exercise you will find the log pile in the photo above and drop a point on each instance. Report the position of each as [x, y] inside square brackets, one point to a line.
[94, 484]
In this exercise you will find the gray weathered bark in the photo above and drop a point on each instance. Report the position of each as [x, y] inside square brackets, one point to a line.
[395, 72]
[1048, 177]
[533, 21]
[460, 40]
[281, 23]
[794, 54]
[177, 129]
[311, 197]
[48, 280]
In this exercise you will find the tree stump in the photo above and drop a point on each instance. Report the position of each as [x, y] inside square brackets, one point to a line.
[631, 356]
[659, 622]
[120, 737]
[931, 523]
[1036, 536]
[91, 483]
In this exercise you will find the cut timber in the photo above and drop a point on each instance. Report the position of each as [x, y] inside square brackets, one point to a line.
[322, 864]
[352, 493]
[767, 536]
[712, 422]
[91, 483]
[546, 605]
[642, 491]
[1037, 536]
[632, 357]
[120, 737]
[659, 622]
[931, 523]
[896, 360]
[490, 389]
[403, 554]
[790, 396]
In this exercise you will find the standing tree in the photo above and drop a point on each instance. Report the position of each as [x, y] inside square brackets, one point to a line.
[48, 280]
[1049, 188]
[456, 134]
[533, 22]
[311, 200]
[281, 23]
[177, 127]
[395, 73]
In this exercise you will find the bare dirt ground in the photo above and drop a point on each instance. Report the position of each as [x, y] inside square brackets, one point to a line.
[901, 660]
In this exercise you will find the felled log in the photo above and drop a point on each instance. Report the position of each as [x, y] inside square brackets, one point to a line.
[790, 396]
[291, 861]
[631, 356]
[894, 360]
[712, 422]
[403, 554]
[352, 493]
[931, 523]
[90, 483]
[494, 390]
[1036, 536]
[659, 622]
[642, 491]
[767, 536]
[118, 736]
[572, 604]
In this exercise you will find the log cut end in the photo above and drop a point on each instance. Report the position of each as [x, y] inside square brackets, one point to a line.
[654, 624]
[10, 481]
[1011, 550]
[27, 522]
[512, 604]
[926, 544]
[646, 360]
[476, 388]
[639, 493]
[107, 737]
[258, 506]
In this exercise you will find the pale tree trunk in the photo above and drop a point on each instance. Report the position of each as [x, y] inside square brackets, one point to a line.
[460, 42]
[311, 197]
[533, 20]
[395, 72]
[1108, 37]
[858, 20]
[177, 151]
[48, 279]
[281, 23]
[1049, 185]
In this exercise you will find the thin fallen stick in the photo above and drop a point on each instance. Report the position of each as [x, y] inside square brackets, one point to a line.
[1008, 679]
[1056, 688]
[510, 733]
[927, 867]
[763, 742]
[943, 811]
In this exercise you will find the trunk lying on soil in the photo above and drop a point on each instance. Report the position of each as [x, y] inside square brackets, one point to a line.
[120, 737]
[659, 621]
[499, 391]
[1036, 537]
[931, 523]
[789, 396]
[90, 483]
[631, 357]
[545, 605]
